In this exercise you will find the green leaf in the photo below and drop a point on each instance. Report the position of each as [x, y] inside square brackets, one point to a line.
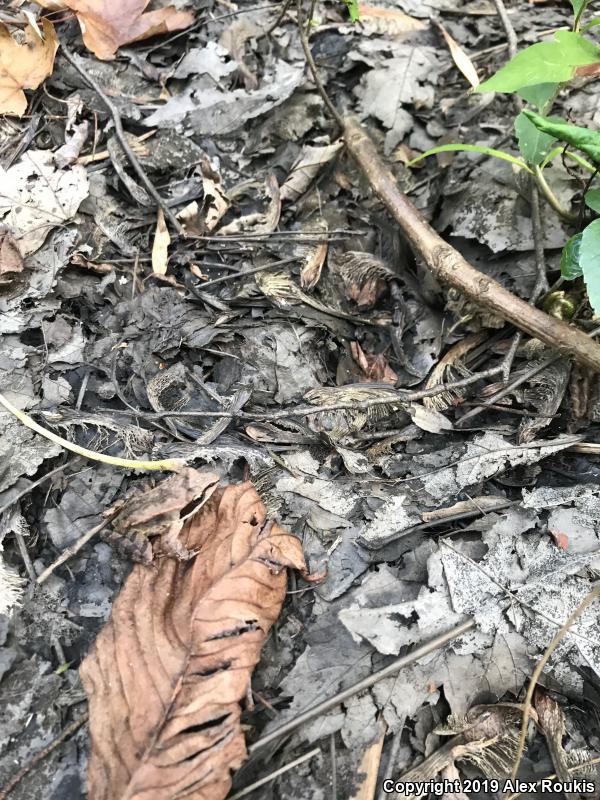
[545, 62]
[578, 6]
[589, 259]
[582, 138]
[533, 144]
[538, 95]
[592, 200]
[63, 668]
[569, 258]
[471, 148]
[591, 24]
[353, 10]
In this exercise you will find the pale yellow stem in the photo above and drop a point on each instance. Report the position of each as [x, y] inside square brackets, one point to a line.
[169, 464]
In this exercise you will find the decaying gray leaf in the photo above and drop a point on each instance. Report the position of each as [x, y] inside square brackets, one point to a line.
[36, 196]
[484, 457]
[21, 450]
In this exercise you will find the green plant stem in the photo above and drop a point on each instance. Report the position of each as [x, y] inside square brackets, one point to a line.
[579, 15]
[568, 154]
[170, 464]
[551, 197]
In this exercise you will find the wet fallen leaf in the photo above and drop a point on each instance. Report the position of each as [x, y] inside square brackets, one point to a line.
[106, 25]
[24, 65]
[160, 247]
[168, 672]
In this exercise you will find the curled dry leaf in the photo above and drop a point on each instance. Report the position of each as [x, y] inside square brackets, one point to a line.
[107, 24]
[168, 672]
[24, 65]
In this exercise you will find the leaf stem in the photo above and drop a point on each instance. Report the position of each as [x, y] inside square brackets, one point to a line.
[170, 464]
[551, 197]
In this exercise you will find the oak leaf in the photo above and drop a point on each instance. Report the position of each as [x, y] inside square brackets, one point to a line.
[108, 24]
[167, 674]
[24, 65]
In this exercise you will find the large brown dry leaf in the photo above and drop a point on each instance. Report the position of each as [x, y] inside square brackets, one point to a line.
[108, 24]
[168, 672]
[25, 65]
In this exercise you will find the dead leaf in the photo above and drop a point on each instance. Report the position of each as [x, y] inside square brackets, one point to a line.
[166, 675]
[387, 21]
[234, 41]
[312, 252]
[428, 419]
[108, 24]
[11, 260]
[36, 197]
[375, 367]
[306, 169]
[460, 58]
[160, 248]
[24, 65]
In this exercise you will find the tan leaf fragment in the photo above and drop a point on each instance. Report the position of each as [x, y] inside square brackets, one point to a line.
[160, 247]
[24, 65]
[387, 21]
[460, 58]
[307, 167]
[108, 24]
[11, 261]
[375, 367]
[167, 674]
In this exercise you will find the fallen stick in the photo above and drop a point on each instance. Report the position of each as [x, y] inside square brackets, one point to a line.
[449, 266]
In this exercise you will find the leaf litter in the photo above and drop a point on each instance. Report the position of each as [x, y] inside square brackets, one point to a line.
[284, 348]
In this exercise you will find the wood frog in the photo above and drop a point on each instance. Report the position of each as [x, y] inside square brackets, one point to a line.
[159, 512]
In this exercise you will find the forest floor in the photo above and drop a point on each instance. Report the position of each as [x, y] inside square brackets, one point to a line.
[288, 285]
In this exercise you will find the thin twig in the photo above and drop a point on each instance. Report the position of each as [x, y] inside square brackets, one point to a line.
[576, 768]
[35, 484]
[279, 19]
[399, 398]
[587, 600]
[272, 775]
[71, 551]
[122, 139]
[18, 777]
[499, 395]
[363, 685]
[537, 225]
[313, 67]
[511, 36]
[253, 271]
